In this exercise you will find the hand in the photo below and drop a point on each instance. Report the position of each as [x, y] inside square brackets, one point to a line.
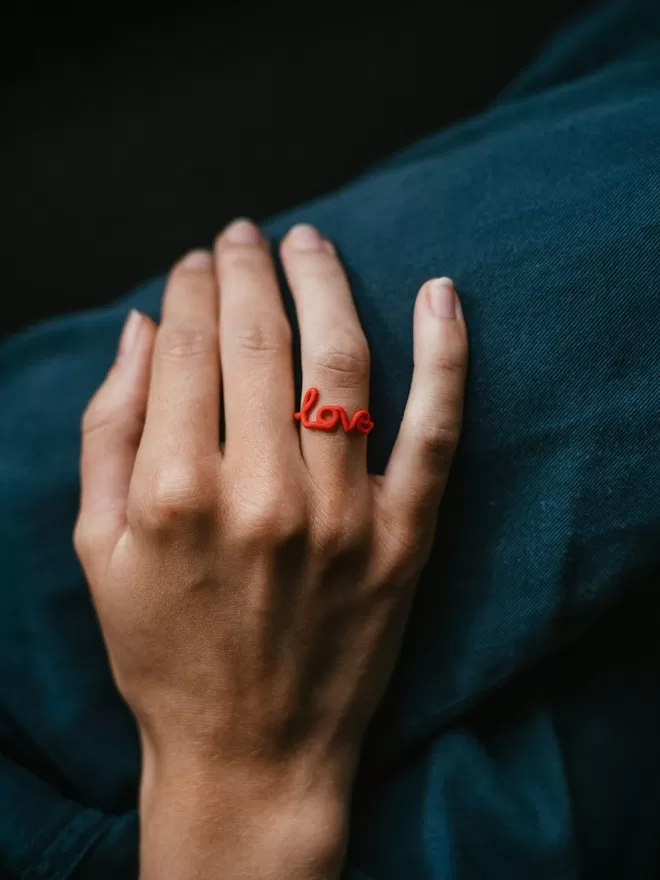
[253, 595]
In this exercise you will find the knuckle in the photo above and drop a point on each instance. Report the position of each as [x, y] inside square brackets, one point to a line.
[255, 525]
[185, 341]
[345, 358]
[88, 539]
[176, 491]
[451, 364]
[438, 442]
[289, 525]
[292, 524]
[102, 415]
[82, 538]
[97, 415]
[271, 521]
[260, 338]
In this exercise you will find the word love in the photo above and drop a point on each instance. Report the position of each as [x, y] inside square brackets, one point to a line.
[328, 417]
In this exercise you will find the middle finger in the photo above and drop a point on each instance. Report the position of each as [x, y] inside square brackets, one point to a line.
[255, 347]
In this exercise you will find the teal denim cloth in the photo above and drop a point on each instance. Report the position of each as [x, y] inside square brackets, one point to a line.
[520, 736]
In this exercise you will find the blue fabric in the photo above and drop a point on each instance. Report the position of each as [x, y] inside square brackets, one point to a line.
[520, 736]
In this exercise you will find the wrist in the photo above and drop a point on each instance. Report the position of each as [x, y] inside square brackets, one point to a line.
[202, 819]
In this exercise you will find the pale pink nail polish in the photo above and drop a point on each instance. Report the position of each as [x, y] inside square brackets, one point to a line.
[197, 260]
[129, 335]
[442, 298]
[304, 238]
[242, 231]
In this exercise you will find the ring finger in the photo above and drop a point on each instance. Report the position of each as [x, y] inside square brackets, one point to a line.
[335, 359]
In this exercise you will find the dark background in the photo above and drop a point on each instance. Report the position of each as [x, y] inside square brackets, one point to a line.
[130, 135]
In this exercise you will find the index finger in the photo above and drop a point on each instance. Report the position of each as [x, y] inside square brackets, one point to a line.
[111, 431]
[183, 419]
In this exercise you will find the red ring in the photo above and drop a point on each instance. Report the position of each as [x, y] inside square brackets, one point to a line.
[328, 417]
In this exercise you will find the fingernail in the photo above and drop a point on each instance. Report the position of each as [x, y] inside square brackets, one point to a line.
[197, 260]
[242, 231]
[305, 238]
[442, 298]
[129, 335]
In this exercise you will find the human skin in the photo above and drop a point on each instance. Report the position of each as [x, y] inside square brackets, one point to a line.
[253, 593]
